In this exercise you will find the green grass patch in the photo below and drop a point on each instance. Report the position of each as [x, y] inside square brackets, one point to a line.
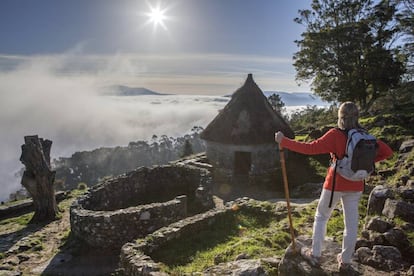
[36, 244]
[410, 236]
[73, 194]
[403, 171]
[336, 226]
[367, 121]
[301, 138]
[303, 219]
[387, 163]
[22, 220]
[320, 164]
[243, 232]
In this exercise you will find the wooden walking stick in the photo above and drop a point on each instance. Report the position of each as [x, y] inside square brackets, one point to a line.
[285, 182]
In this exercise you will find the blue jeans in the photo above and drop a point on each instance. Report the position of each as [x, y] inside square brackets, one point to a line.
[350, 202]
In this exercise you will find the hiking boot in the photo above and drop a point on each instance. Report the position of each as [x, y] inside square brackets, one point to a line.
[306, 253]
[345, 268]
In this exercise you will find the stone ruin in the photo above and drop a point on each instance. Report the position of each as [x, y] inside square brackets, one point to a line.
[137, 258]
[140, 212]
[135, 204]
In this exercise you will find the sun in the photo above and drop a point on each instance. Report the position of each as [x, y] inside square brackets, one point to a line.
[156, 16]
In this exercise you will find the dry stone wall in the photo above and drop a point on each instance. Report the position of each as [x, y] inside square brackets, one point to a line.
[136, 258]
[137, 203]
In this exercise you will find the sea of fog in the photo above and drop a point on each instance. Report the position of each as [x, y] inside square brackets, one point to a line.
[77, 121]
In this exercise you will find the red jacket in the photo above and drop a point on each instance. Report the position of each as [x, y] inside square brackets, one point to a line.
[334, 142]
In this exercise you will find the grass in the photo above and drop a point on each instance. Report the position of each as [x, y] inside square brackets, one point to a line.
[403, 171]
[22, 220]
[242, 233]
[410, 236]
[387, 163]
[303, 220]
[36, 244]
[335, 226]
[301, 138]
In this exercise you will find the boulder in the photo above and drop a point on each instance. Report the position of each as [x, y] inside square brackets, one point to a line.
[407, 192]
[378, 239]
[308, 190]
[407, 146]
[387, 258]
[378, 225]
[364, 254]
[377, 199]
[294, 264]
[396, 208]
[363, 243]
[397, 237]
[239, 267]
[410, 271]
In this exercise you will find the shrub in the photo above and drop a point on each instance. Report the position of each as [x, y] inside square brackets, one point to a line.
[82, 186]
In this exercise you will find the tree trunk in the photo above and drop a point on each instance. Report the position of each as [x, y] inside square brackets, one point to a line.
[38, 178]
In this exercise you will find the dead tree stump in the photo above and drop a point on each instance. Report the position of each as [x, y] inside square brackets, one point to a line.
[38, 177]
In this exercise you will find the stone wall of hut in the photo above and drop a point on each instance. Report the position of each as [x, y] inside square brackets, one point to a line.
[264, 157]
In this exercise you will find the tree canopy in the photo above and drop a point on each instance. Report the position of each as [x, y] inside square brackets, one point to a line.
[406, 22]
[276, 102]
[348, 50]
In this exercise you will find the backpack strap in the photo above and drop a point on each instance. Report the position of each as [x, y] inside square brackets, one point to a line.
[345, 132]
[333, 183]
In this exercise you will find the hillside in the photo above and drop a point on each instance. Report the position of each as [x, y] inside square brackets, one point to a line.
[91, 166]
[51, 250]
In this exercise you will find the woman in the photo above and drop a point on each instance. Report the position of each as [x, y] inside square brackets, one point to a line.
[349, 192]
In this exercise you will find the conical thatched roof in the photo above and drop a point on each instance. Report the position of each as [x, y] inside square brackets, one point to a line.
[247, 119]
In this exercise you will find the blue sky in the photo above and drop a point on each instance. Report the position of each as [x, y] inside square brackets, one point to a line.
[202, 47]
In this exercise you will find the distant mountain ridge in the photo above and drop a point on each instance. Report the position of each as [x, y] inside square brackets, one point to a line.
[289, 98]
[297, 98]
[122, 90]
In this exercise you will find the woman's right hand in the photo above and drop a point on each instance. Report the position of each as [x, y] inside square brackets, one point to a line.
[279, 136]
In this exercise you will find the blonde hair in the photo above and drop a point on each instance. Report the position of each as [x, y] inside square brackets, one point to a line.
[348, 115]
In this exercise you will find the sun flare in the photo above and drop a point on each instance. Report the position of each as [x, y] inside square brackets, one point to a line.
[156, 16]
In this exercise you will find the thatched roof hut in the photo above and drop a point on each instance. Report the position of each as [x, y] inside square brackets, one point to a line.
[240, 139]
[248, 119]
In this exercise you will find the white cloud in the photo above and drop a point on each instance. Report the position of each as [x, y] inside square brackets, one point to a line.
[58, 98]
[36, 98]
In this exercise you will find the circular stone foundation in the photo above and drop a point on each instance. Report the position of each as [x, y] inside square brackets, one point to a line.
[139, 257]
[133, 205]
